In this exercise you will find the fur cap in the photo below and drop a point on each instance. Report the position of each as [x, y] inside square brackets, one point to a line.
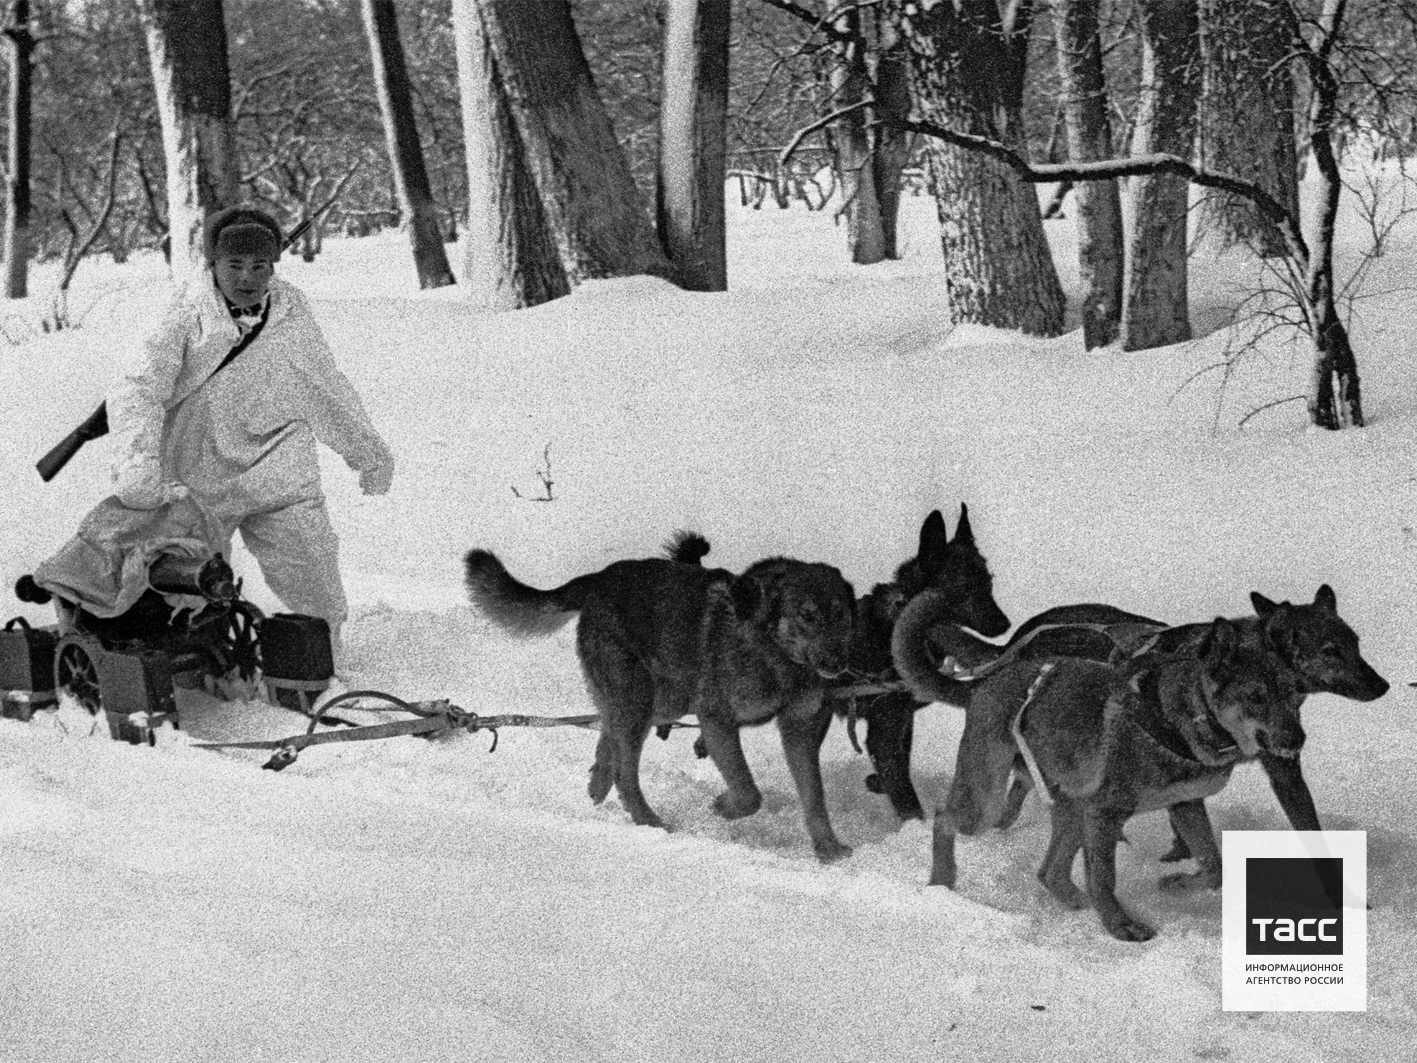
[241, 231]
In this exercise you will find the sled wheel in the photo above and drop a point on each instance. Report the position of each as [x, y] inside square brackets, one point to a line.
[76, 674]
[242, 638]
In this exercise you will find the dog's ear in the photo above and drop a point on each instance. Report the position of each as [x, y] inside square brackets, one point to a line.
[933, 540]
[963, 532]
[1279, 631]
[1326, 599]
[1263, 606]
[747, 594]
[757, 594]
[1219, 642]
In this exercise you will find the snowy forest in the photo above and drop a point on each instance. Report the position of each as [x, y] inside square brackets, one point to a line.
[1116, 293]
[590, 139]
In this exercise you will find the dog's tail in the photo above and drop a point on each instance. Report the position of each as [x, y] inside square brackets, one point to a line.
[911, 641]
[686, 547]
[513, 606]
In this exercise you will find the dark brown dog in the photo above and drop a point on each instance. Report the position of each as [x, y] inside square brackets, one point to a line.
[659, 640]
[1164, 732]
[1310, 642]
[955, 572]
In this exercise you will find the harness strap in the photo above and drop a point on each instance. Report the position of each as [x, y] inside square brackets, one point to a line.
[246, 340]
[851, 723]
[1163, 732]
[1112, 631]
[1017, 729]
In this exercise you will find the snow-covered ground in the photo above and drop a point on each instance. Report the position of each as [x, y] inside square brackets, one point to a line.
[410, 900]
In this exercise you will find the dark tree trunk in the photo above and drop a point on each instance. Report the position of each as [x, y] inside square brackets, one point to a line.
[1099, 207]
[967, 67]
[1335, 396]
[187, 47]
[1247, 116]
[565, 141]
[511, 259]
[420, 213]
[17, 182]
[1155, 309]
[892, 147]
[692, 142]
[851, 139]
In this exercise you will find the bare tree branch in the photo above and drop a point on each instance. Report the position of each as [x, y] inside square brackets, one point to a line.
[808, 130]
[825, 22]
[1270, 405]
[1107, 169]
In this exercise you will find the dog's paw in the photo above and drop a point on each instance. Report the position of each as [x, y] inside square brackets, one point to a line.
[730, 807]
[600, 782]
[1067, 894]
[1129, 929]
[644, 816]
[831, 851]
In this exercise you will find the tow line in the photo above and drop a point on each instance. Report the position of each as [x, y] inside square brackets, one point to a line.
[430, 718]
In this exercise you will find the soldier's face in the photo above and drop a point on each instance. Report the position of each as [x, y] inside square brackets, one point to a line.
[243, 279]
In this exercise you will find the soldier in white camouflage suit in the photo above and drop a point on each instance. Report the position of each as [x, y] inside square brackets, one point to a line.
[206, 445]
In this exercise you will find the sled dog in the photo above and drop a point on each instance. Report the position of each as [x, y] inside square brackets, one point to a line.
[659, 640]
[957, 573]
[1310, 642]
[1163, 731]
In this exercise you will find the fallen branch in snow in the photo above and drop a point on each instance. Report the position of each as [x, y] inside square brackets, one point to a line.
[544, 475]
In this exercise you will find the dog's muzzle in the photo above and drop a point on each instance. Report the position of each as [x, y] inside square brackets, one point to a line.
[1282, 752]
[1286, 747]
[827, 661]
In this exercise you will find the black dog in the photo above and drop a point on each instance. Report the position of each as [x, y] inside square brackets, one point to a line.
[958, 572]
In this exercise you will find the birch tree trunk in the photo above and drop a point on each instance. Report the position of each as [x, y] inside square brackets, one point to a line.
[511, 260]
[1098, 205]
[1155, 310]
[17, 180]
[1335, 396]
[967, 66]
[1247, 116]
[420, 214]
[187, 49]
[692, 142]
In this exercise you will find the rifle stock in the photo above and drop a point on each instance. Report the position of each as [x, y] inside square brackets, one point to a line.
[94, 426]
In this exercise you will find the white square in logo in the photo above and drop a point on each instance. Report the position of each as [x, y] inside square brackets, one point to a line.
[1294, 920]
